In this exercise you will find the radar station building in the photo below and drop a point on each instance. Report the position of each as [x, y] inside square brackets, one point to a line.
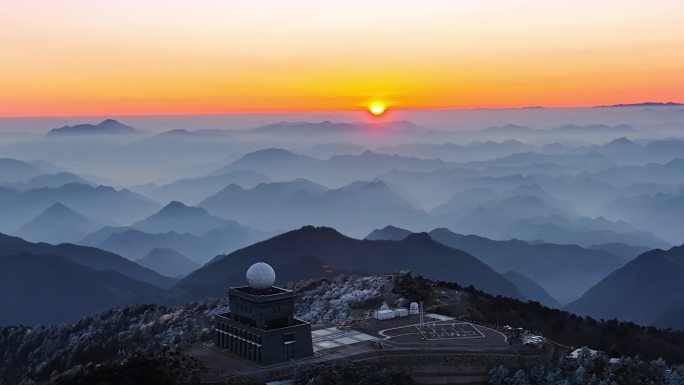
[260, 325]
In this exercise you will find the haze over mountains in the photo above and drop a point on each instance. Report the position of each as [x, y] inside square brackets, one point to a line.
[648, 290]
[560, 207]
[57, 224]
[188, 231]
[320, 250]
[106, 127]
[93, 258]
[561, 272]
[168, 262]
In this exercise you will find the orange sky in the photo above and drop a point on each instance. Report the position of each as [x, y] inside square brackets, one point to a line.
[95, 57]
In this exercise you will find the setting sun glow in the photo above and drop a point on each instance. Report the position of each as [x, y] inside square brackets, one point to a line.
[376, 109]
[280, 56]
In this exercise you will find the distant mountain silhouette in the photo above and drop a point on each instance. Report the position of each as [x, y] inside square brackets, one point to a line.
[418, 253]
[47, 288]
[12, 170]
[595, 129]
[564, 271]
[663, 151]
[91, 257]
[660, 212]
[511, 130]
[530, 289]
[369, 165]
[106, 127]
[466, 200]
[168, 262]
[622, 250]
[47, 167]
[508, 129]
[136, 244]
[646, 104]
[187, 134]
[524, 201]
[50, 180]
[280, 164]
[498, 218]
[57, 224]
[194, 190]
[274, 160]
[358, 207]
[268, 205]
[326, 150]
[643, 291]
[628, 152]
[388, 233]
[97, 237]
[180, 218]
[451, 152]
[620, 144]
[548, 229]
[330, 128]
[100, 202]
[667, 173]
[590, 161]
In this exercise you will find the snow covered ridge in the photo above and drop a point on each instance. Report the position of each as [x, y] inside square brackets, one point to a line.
[112, 335]
[118, 334]
[329, 301]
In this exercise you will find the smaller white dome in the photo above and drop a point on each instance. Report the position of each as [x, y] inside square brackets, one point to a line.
[260, 276]
[413, 306]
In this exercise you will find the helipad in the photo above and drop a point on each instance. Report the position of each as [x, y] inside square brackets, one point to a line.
[333, 337]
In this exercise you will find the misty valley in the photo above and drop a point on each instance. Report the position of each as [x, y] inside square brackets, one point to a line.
[120, 239]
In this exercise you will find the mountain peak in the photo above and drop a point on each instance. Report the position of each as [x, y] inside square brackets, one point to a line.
[419, 238]
[179, 218]
[678, 162]
[58, 206]
[390, 227]
[290, 254]
[105, 127]
[271, 152]
[388, 232]
[60, 211]
[317, 230]
[621, 142]
[645, 104]
[312, 234]
[177, 206]
[56, 224]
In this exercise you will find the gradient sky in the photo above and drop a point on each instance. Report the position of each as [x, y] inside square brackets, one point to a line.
[96, 57]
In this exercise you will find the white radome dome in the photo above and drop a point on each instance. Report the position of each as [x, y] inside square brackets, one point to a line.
[260, 276]
[414, 306]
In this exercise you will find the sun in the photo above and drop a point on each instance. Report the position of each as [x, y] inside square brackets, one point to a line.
[377, 109]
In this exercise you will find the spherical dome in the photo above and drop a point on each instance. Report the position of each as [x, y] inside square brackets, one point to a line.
[413, 306]
[260, 276]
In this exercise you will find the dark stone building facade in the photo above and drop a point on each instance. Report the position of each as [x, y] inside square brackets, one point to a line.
[261, 327]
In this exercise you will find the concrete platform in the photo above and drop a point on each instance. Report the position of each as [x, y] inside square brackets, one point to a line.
[397, 343]
[333, 337]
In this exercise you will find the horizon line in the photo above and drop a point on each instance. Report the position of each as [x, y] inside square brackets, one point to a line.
[389, 110]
